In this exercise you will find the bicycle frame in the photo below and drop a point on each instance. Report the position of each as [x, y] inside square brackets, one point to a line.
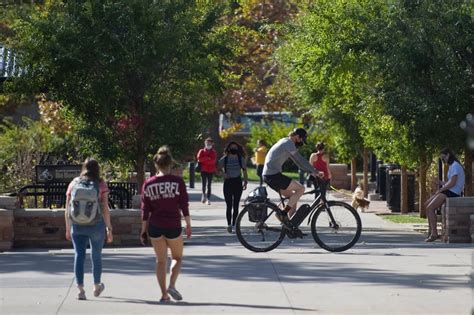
[315, 205]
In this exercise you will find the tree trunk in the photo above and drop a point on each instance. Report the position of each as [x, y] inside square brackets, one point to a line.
[140, 169]
[468, 167]
[353, 174]
[404, 190]
[366, 172]
[422, 184]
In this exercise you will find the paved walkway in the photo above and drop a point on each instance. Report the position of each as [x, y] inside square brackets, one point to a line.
[390, 271]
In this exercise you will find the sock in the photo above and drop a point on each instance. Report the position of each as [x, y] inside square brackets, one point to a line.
[286, 210]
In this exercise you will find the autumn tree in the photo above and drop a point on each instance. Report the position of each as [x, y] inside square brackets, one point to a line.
[132, 74]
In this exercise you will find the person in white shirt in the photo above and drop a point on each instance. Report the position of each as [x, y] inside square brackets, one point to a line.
[450, 189]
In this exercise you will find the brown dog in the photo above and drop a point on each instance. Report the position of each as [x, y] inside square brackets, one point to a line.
[358, 200]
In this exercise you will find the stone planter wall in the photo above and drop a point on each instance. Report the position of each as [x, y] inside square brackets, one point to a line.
[45, 228]
[457, 220]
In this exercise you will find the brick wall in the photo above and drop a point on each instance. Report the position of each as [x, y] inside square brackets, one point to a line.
[39, 228]
[340, 177]
[126, 226]
[34, 228]
[6, 229]
[457, 221]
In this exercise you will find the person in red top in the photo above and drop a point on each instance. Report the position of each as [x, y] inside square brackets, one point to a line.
[207, 158]
[319, 162]
[164, 199]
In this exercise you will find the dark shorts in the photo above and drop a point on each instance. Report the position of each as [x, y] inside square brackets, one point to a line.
[277, 181]
[157, 232]
[450, 194]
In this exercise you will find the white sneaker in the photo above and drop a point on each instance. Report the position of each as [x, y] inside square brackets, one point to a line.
[203, 199]
[209, 202]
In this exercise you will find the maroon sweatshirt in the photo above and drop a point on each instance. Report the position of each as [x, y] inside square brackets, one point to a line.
[163, 199]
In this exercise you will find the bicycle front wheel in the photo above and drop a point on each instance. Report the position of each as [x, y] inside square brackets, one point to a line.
[336, 228]
[258, 229]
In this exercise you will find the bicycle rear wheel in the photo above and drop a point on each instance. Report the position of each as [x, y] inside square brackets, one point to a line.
[262, 232]
[338, 233]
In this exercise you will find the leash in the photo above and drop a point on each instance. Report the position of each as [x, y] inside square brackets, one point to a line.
[340, 191]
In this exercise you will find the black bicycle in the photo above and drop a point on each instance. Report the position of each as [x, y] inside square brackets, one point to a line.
[335, 225]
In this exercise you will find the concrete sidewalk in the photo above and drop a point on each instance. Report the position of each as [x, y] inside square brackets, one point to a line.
[390, 271]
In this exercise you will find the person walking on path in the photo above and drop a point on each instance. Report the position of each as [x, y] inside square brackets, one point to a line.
[259, 158]
[207, 158]
[319, 162]
[164, 199]
[87, 219]
[233, 164]
[450, 189]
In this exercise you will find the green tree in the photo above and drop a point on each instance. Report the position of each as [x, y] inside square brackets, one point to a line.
[132, 74]
[424, 55]
[325, 73]
[400, 71]
[22, 146]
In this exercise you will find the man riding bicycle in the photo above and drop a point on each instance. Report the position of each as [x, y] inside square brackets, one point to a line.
[272, 172]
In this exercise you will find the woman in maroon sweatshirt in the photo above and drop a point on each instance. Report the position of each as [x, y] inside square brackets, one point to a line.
[164, 199]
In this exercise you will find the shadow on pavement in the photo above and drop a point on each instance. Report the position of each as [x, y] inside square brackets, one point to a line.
[192, 304]
[258, 267]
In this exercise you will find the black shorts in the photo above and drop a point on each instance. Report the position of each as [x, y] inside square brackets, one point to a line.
[450, 194]
[277, 181]
[157, 232]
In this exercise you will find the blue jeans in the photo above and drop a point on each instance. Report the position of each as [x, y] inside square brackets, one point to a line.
[95, 236]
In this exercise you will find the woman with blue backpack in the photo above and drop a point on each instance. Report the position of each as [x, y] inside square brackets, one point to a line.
[87, 222]
[234, 165]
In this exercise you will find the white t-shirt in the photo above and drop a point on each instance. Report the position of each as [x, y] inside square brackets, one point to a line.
[456, 169]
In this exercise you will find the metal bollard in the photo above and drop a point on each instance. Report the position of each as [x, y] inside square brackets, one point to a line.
[192, 174]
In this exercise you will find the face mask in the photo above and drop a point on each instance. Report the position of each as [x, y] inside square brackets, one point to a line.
[233, 151]
[208, 146]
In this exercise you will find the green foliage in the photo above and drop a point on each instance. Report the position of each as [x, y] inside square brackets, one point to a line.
[277, 130]
[22, 146]
[317, 56]
[133, 74]
[395, 77]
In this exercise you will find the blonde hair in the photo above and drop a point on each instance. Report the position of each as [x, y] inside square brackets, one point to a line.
[163, 158]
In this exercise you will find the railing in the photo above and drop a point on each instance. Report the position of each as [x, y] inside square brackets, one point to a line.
[53, 195]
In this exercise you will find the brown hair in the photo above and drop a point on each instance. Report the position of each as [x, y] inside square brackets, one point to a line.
[240, 149]
[320, 146]
[450, 153]
[91, 169]
[163, 158]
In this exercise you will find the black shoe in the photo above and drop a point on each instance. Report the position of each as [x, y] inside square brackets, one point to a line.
[291, 234]
[299, 233]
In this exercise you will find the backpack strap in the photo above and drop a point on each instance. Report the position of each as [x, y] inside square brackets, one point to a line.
[225, 162]
[95, 183]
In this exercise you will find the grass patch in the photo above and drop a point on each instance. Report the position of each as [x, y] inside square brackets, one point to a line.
[404, 218]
